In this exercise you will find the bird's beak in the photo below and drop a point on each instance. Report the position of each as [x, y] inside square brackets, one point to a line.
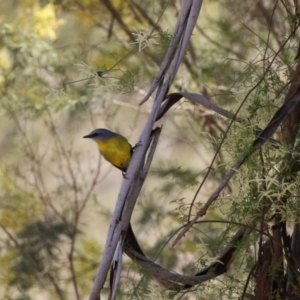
[87, 136]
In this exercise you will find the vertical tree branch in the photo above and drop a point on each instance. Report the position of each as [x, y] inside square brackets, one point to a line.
[132, 183]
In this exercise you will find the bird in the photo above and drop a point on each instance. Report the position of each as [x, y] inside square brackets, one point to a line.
[114, 147]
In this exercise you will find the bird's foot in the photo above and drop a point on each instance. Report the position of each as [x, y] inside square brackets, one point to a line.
[137, 145]
[124, 175]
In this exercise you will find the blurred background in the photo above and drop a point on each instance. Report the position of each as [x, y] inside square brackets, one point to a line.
[56, 192]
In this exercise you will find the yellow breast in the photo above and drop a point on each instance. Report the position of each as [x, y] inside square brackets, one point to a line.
[117, 151]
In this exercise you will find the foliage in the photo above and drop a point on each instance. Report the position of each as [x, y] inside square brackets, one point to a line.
[65, 67]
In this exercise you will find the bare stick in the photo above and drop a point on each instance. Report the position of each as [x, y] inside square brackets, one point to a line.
[132, 183]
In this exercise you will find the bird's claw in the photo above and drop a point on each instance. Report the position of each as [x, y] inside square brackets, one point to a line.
[136, 145]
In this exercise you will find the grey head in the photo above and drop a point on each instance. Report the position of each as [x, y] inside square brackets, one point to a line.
[101, 134]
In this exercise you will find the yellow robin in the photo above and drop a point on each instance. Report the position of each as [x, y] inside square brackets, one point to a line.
[114, 147]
